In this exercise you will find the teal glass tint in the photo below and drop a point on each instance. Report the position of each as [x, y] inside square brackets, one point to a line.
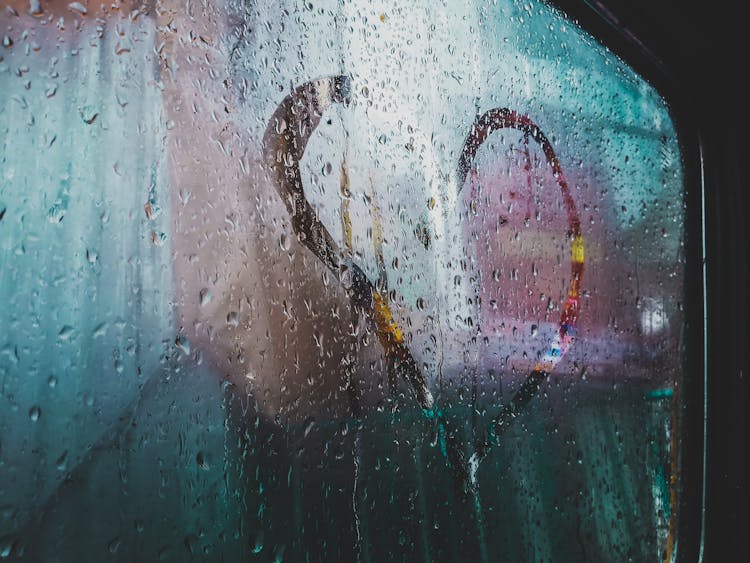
[334, 281]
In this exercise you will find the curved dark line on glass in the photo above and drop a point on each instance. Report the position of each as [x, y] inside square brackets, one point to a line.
[284, 143]
[504, 118]
[486, 124]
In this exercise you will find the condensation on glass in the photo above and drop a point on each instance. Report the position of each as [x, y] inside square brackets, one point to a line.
[334, 281]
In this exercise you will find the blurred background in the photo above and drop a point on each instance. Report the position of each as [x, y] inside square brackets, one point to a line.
[183, 378]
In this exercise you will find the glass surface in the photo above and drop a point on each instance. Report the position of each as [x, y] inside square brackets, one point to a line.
[334, 281]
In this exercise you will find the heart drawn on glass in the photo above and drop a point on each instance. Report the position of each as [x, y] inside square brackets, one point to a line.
[285, 139]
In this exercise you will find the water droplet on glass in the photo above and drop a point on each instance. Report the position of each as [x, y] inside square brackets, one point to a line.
[114, 545]
[35, 7]
[202, 462]
[121, 48]
[56, 213]
[534, 330]
[182, 343]
[78, 8]
[151, 209]
[52, 381]
[66, 333]
[158, 238]
[6, 546]
[88, 114]
[382, 139]
[21, 101]
[258, 545]
[100, 330]
[62, 461]
[34, 413]
[205, 296]
[309, 426]
[327, 169]
[233, 319]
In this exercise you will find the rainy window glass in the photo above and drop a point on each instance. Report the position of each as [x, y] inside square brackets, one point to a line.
[334, 281]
